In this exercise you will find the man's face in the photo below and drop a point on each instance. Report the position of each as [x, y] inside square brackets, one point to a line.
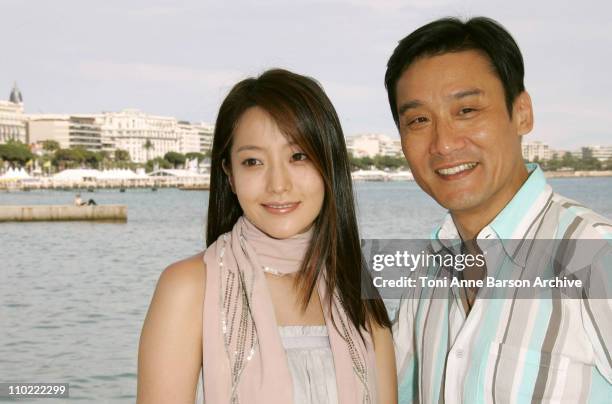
[462, 146]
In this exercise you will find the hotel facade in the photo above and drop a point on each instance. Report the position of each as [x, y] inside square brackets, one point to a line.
[13, 121]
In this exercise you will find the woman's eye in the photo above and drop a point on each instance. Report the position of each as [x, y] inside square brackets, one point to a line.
[299, 156]
[250, 162]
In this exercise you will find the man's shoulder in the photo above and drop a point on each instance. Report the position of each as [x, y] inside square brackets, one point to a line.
[575, 220]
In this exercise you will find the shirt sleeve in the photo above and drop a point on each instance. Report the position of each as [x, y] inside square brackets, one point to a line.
[596, 309]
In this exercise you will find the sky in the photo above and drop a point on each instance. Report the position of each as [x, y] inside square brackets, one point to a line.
[180, 58]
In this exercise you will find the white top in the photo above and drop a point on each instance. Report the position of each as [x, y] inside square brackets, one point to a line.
[311, 364]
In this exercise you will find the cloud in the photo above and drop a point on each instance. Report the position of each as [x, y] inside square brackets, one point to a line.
[158, 73]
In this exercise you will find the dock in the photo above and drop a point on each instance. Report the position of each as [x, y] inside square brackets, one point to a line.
[56, 213]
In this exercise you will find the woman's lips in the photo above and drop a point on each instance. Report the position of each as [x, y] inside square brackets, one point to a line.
[281, 208]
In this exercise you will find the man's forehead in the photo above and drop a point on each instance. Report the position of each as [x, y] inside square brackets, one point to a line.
[454, 75]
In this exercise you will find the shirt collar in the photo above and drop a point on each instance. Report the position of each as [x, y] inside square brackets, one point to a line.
[511, 223]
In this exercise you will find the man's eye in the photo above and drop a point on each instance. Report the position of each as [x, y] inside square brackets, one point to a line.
[250, 162]
[299, 156]
[466, 110]
[418, 120]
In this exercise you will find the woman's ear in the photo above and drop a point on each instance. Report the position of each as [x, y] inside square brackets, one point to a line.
[228, 171]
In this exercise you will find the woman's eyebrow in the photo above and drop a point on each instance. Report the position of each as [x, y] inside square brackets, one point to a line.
[248, 147]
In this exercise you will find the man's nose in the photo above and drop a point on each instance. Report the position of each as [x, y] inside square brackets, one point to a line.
[446, 139]
[279, 178]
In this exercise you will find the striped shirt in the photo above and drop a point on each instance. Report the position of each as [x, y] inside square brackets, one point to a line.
[512, 350]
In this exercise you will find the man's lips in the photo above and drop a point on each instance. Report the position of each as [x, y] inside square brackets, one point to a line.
[456, 170]
[280, 207]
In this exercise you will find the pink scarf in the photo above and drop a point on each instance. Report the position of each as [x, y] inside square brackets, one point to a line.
[244, 361]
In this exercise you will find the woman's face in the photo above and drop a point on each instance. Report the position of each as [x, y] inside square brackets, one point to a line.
[278, 187]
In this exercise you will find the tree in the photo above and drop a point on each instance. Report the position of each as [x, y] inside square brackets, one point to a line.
[68, 158]
[174, 158]
[92, 159]
[122, 156]
[159, 161]
[198, 156]
[50, 145]
[148, 145]
[553, 164]
[568, 160]
[16, 153]
[382, 162]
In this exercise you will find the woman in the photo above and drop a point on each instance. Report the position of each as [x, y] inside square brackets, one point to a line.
[280, 282]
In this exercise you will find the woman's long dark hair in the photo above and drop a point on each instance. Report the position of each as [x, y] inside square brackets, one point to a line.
[305, 114]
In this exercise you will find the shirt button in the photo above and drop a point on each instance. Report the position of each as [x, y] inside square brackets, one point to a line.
[459, 353]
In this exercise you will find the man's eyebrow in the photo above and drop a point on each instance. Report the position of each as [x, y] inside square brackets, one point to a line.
[409, 105]
[467, 93]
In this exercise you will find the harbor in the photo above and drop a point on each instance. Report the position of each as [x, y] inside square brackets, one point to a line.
[88, 180]
[91, 180]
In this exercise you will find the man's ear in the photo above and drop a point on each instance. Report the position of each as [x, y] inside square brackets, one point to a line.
[522, 112]
[228, 171]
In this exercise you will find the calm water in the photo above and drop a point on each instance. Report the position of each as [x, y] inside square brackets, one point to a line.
[73, 295]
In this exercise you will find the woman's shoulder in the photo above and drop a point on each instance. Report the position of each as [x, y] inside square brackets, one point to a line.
[184, 279]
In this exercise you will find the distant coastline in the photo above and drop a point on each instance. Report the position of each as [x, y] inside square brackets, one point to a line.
[202, 182]
[577, 174]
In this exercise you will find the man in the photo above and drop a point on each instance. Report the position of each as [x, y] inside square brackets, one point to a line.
[79, 202]
[457, 96]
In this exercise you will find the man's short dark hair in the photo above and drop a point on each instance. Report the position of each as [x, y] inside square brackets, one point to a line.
[453, 35]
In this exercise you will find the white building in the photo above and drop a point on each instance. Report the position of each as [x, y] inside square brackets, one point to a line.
[205, 132]
[68, 130]
[188, 138]
[372, 144]
[601, 153]
[143, 136]
[13, 122]
[147, 136]
[536, 149]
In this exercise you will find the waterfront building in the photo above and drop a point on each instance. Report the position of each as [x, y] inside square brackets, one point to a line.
[144, 136]
[68, 130]
[601, 153]
[372, 144]
[536, 150]
[13, 122]
[205, 133]
[147, 136]
[188, 138]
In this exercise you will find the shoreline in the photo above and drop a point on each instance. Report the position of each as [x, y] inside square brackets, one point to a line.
[577, 174]
[192, 184]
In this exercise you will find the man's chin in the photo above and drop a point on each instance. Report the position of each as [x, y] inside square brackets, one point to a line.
[457, 203]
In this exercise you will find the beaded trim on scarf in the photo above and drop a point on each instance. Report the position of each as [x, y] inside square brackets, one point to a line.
[239, 333]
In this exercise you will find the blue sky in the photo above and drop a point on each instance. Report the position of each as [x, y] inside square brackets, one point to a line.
[180, 58]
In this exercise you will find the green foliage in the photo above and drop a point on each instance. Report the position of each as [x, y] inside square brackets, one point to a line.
[50, 145]
[174, 158]
[198, 156]
[161, 163]
[16, 153]
[586, 163]
[380, 162]
[122, 156]
[68, 158]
